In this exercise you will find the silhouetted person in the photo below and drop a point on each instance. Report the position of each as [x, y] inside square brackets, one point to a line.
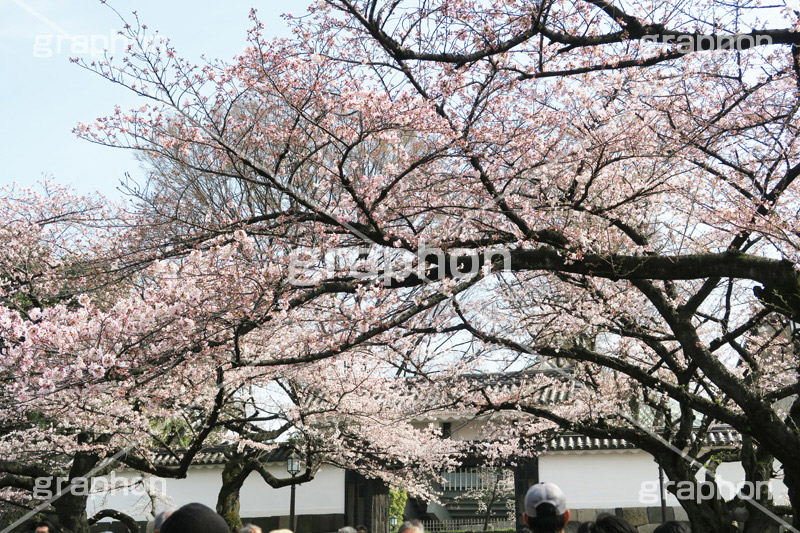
[158, 521]
[670, 527]
[545, 509]
[195, 518]
[44, 526]
[411, 526]
[613, 524]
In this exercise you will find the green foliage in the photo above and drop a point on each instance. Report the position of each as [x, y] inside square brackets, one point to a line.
[397, 503]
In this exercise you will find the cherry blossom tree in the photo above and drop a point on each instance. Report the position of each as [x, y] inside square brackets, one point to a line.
[111, 357]
[552, 171]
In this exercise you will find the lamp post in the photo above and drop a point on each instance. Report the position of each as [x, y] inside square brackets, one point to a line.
[293, 467]
[392, 522]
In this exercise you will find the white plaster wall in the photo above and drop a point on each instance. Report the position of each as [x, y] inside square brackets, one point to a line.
[780, 492]
[469, 431]
[732, 474]
[599, 480]
[589, 480]
[626, 479]
[322, 495]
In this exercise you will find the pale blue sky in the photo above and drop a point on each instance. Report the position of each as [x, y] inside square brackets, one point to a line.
[43, 98]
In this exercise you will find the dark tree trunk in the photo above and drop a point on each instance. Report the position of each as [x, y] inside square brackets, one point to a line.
[70, 507]
[237, 468]
[791, 477]
[379, 507]
[792, 481]
[127, 520]
[706, 515]
[71, 512]
[228, 499]
[757, 465]
[526, 473]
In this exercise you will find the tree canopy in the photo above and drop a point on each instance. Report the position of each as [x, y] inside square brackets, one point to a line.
[436, 189]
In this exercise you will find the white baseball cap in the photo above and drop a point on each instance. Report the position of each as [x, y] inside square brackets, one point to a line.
[545, 493]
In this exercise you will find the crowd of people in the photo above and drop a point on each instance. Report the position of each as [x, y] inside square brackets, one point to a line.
[546, 511]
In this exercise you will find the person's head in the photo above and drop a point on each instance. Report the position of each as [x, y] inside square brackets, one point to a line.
[160, 519]
[250, 528]
[613, 524]
[195, 518]
[44, 526]
[411, 526]
[586, 527]
[361, 529]
[670, 527]
[545, 509]
[347, 529]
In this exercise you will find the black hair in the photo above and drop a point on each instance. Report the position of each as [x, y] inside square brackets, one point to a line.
[195, 518]
[586, 527]
[670, 527]
[46, 523]
[546, 519]
[613, 524]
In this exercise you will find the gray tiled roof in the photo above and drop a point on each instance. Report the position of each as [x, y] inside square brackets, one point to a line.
[216, 456]
[721, 437]
[581, 442]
